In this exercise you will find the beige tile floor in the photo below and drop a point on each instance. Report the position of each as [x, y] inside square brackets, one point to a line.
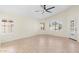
[40, 44]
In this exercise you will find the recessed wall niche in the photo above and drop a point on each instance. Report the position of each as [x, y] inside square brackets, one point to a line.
[7, 25]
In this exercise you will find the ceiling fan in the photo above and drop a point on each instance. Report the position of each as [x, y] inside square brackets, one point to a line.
[46, 9]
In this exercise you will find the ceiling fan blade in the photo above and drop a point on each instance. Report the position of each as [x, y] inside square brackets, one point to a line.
[50, 8]
[44, 7]
[48, 11]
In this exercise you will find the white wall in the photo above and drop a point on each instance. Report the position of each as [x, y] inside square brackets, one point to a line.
[24, 27]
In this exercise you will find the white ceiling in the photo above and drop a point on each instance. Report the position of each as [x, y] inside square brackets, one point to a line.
[33, 11]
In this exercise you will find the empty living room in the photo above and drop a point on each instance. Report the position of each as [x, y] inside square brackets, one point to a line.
[39, 28]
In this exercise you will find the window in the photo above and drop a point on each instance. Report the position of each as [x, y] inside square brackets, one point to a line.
[42, 25]
[7, 25]
[55, 25]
